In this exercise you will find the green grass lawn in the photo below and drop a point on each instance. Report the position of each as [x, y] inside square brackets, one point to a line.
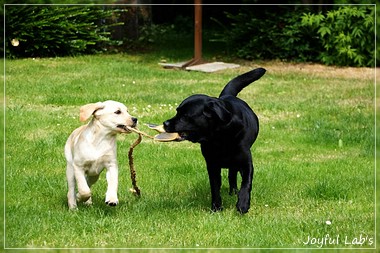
[314, 158]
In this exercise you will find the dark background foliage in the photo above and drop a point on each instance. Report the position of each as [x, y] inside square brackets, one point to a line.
[48, 30]
[343, 36]
[330, 34]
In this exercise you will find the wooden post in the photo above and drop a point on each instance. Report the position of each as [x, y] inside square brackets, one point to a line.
[198, 30]
[197, 35]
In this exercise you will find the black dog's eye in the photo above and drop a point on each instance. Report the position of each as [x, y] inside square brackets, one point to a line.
[118, 112]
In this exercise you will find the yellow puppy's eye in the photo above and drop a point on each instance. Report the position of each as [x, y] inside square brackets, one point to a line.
[118, 112]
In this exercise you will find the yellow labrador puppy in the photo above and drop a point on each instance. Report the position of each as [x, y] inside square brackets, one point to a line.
[92, 147]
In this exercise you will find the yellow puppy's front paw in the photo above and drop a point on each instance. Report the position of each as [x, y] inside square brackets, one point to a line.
[112, 201]
[83, 197]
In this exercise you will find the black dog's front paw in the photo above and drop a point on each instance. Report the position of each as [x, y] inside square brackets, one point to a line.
[243, 203]
[216, 207]
[242, 208]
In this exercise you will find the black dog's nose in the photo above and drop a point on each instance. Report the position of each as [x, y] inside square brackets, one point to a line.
[166, 125]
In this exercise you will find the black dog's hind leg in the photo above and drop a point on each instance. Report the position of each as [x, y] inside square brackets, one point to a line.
[244, 196]
[215, 184]
[232, 179]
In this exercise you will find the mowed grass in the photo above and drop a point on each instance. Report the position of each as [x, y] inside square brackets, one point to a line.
[314, 158]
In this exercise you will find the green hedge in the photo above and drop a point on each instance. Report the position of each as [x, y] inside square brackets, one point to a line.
[345, 36]
[47, 30]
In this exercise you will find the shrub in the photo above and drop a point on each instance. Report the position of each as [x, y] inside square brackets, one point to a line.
[341, 37]
[42, 31]
[346, 34]
[268, 34]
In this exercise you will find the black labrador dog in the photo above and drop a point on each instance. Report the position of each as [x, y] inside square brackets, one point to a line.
[226, 127]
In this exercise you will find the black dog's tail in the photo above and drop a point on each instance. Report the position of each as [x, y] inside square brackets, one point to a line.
[234, 86]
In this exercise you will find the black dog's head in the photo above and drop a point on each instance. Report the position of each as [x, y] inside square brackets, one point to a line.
[198, 118]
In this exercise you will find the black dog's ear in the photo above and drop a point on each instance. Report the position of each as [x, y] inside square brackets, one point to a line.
[217, 109]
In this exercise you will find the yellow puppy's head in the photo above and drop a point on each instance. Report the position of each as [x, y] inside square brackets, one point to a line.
[111, 114]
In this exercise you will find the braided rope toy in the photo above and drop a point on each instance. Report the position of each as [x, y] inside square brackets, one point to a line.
[163, 136]
[135, 188]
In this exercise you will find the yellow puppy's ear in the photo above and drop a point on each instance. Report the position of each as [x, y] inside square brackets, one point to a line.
[87, 110]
